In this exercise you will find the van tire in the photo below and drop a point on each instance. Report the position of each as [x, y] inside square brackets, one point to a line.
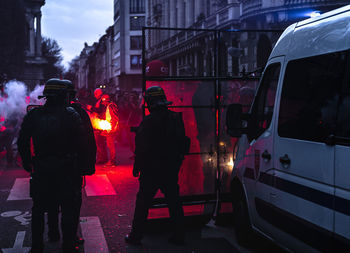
[242, 223]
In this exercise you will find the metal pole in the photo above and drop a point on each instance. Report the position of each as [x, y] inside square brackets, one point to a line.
[143, 68]
[217, 130]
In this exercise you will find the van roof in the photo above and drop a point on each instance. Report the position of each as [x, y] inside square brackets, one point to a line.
[329, 32]
[324, 15]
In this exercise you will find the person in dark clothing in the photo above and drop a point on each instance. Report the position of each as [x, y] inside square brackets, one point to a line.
[6, 139]
[87, 169]
[134, 118]
[90, 157]
[98, 110]
[158, 156]
[110, 114]
[59, 145]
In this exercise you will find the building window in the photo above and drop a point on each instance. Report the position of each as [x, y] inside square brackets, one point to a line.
[135, 42]
[135, 61]
[137, 6]
[116, 63]
[116, 9]
[117, 45]
[137, 22]
[117, 27]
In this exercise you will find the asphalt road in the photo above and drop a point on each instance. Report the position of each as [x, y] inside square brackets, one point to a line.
[106, 216]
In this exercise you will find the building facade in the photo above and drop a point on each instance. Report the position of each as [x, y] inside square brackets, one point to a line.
[115, 61]
[129, 18]
[33, 70]
[94, 67]
[187, 53]
[82, 68]
[20, 47]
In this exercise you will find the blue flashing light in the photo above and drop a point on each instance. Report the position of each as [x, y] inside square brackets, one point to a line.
[302, 14]
[313, 14]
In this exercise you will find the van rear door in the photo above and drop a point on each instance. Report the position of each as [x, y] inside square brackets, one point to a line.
[305, 151]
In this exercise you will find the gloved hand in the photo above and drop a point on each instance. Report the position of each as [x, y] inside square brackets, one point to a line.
[135, 171]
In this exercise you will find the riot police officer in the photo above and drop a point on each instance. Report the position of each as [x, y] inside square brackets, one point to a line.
[59, 143]
[90, 160]
[158, 156]
[88, 168]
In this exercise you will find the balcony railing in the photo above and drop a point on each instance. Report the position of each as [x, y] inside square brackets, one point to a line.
[292, 2]
[251, 6]
[179, 38]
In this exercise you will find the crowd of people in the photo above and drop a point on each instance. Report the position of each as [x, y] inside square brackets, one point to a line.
[121, 110]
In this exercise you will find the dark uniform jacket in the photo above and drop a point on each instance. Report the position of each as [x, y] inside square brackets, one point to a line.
[158, 142]
[58, 138]
[90, 158]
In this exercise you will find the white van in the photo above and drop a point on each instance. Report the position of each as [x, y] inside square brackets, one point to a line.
[291, 176]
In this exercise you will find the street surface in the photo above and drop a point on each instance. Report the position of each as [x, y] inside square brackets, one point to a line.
[106, 216]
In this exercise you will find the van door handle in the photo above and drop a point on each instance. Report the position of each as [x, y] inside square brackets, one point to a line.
[285, 160]
[266, 156]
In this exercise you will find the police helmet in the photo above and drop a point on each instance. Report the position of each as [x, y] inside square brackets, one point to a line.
[55, 87]
[70, 86]
[155, 96]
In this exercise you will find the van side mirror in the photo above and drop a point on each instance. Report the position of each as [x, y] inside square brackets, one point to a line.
[234, 120]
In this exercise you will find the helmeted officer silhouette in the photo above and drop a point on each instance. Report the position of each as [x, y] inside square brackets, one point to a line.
[88, 168]
[159, 152]
[59, 145]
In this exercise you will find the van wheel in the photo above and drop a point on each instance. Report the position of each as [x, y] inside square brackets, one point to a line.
[242, 224]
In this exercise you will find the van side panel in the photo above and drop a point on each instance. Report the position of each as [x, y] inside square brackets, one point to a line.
[342, 167]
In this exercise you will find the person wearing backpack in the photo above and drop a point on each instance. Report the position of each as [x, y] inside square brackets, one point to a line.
[87, 167]
[52, 143]
[160, 146]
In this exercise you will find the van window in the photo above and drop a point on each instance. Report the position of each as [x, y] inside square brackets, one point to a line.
[310, 97]
[264, 102]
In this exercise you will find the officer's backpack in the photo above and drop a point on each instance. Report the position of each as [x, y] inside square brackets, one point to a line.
[175, 134]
